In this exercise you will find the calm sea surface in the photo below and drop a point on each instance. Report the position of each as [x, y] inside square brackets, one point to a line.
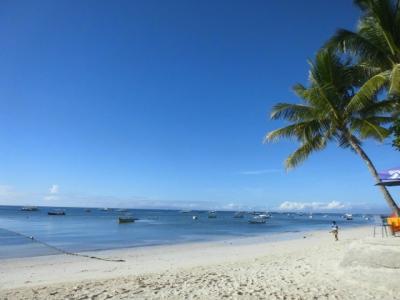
[99, 230]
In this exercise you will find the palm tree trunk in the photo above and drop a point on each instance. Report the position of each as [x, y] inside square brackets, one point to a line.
[389, 200]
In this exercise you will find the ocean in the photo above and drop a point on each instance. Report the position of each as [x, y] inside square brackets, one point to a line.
[79, 231]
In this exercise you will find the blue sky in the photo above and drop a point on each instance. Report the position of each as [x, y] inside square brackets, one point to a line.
[165, 104]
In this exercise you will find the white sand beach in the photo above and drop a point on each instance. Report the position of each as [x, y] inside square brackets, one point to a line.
[311, 266]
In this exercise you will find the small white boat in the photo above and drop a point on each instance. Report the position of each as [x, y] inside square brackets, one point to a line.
[194, 217]
[264, 216]
[122, 210]
[29, 208]
[212, 214]
[348, 217]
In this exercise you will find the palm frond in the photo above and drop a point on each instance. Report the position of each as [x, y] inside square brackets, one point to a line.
[394, 90]
[302, 131]
[367, 92]
[292, 112]
[347, 41]
[316, 144]
[370, 128]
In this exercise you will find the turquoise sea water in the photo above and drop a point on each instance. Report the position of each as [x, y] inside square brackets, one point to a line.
[79, 230]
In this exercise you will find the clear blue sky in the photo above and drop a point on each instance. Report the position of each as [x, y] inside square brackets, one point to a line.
[165, 103]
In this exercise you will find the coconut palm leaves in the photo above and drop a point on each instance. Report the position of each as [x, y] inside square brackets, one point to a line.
[376, 43]
[335, 107]
[331, 109]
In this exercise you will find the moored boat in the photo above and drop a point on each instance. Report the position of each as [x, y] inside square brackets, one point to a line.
[56, 212]
[348, 217]
[29, 208]
[126, 219]
[264, 216]
[212, 214]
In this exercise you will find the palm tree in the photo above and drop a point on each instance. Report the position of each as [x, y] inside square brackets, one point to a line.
[335, 107]
[375, 46]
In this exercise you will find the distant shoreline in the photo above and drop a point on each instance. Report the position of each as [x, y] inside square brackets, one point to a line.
[375, 212]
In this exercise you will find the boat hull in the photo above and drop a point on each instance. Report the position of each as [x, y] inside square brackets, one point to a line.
[122, 220]
[50, 213]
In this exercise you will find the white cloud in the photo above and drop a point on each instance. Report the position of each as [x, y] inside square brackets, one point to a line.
[54, 189]
[259, 172]
[53, 194]
[289, 206]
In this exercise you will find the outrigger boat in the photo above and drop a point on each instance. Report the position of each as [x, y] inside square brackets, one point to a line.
[56, 212]
[29, 208]
[126, 219]
[348, 217]
[212, 214]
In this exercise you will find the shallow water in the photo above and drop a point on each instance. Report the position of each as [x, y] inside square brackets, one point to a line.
[99, 230]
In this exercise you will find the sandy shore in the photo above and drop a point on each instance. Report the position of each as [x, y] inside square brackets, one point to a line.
[309, 267]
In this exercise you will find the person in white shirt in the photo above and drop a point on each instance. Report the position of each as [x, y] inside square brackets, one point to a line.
[335, 230]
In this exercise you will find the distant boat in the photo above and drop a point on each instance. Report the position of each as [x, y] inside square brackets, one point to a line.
[29, 208]
[105, 209]
[194, 217]
[348, 217]
[122, 210]
[258, 220]
[185, 211]
[212, 214]
[56, 212]
[239, 214]
[256, 213]
[264, 216]
[126, 219]
[87, 210]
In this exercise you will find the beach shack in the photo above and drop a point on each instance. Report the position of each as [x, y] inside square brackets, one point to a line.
[391, 177]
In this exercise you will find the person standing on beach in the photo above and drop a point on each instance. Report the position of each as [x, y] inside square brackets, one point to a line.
[335, 230]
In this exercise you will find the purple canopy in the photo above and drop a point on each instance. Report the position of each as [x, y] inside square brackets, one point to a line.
[390, 177]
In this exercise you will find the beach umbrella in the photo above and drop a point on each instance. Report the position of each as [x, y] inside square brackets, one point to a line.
[390, 177]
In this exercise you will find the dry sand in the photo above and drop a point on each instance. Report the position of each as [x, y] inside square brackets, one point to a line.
[310, 267]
